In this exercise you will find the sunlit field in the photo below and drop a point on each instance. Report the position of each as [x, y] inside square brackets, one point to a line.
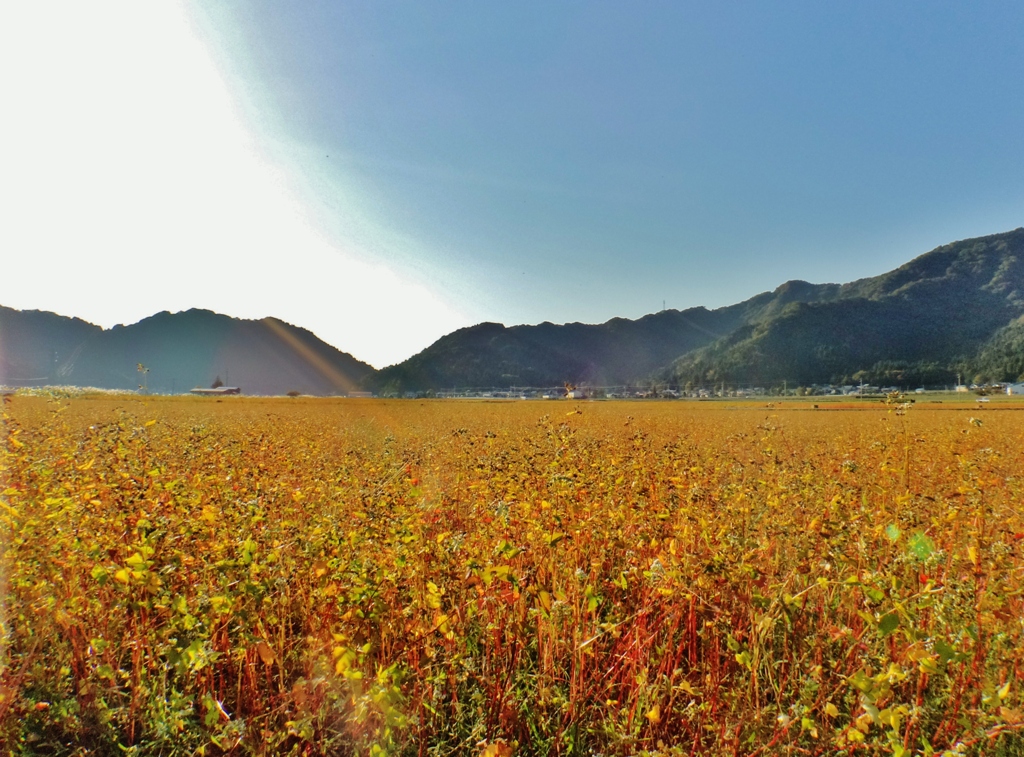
[295, 576]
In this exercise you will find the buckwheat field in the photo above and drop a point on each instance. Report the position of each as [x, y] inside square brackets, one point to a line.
[189, 576]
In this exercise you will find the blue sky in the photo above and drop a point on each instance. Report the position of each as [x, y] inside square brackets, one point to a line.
[521, 162]
[584, 160]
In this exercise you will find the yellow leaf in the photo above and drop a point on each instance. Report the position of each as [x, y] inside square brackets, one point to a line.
[137, 561]
[265, 652]
[685, 686]
[1013, 717]
[831, 711]
[654, 715]
[221, 604]
[554, 537]
[433, 596]
[496, 749]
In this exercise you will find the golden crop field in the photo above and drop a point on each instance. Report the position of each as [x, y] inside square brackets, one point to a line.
[328, 577]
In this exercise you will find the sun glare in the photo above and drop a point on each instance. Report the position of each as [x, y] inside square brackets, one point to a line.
[132, 185]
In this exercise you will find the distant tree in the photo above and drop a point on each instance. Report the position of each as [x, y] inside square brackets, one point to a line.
[217, 383]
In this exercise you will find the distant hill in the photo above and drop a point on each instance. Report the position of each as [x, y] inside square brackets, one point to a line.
[616, 352]
[181, 351]
[947, 310]
[954, 308]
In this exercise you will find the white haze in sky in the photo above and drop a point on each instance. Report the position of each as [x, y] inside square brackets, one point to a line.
[129, 185]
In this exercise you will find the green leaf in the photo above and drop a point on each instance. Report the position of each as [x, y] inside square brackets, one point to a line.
[212, 716]
[100, 574]
[889, 623]
[247, 551]
[944, 650]
[921, 546]
[892, 532]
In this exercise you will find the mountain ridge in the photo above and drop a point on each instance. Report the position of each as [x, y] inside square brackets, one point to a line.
[957, 308]
[180, 350]
[941, 308]
[801, 332]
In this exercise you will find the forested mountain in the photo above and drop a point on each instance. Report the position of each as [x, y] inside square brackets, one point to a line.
[180, 351]
[37, 347]
[917, 324]
[621, 350]
[950, 309]
[958, 308]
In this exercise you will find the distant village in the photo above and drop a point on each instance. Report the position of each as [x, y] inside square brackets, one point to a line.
[667, 392]
[588, 392]
[596, 392]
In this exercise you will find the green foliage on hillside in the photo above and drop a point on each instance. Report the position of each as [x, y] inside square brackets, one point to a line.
[922, 322]
[617, 352]
[918, 324]
[956, 309]
[1002, 358]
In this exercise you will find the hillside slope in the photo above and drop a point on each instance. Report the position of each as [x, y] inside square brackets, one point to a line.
[38, 347]
[956, 309]
[918, 323]
[181, 350]
[935, 313]
[616, 352]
